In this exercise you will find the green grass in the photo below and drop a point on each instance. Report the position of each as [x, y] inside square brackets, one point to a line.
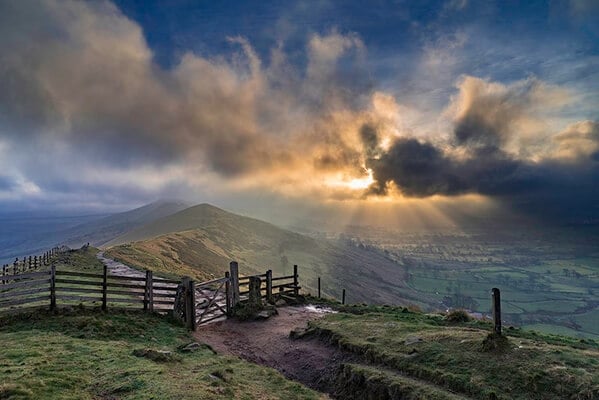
[451, 357]
[83, 260]
[89, 355]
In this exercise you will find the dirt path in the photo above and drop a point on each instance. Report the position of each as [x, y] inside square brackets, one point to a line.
[267, 342]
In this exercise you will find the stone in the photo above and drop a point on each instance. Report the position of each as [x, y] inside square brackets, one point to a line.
[410, 340]
[155, 355]
[298, 333]
[193, 346]
[264, 314]
[280, 303]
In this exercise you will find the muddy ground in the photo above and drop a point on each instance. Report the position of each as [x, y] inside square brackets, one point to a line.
[267, 342]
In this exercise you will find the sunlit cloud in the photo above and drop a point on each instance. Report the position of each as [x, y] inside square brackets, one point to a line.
[80, 85]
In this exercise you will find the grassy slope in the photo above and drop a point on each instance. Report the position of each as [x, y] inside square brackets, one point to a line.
[102, 230]
[89, 355]
[202, 240]
[86, 354]
[448, 359]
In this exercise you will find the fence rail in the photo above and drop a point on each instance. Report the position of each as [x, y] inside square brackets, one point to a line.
[46, 288]
[195, 303]
[30, 263]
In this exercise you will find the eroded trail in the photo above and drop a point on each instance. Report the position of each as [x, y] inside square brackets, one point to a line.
[267, 342]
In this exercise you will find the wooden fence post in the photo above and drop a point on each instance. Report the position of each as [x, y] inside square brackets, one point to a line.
[190, 304]
[149, 292]
[228, 293]
[15, 266]
[319, 287]
[343, 297]
[234, 269]
[496, 301]
[295, 282]
[52, 287]
[29, 264]
[104, 287]
[269, 285]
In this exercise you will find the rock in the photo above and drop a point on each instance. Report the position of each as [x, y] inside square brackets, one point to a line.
[155, 355]
[298, 333]
[264, 314]
[280, 303]
[195, 346]
[413, 339]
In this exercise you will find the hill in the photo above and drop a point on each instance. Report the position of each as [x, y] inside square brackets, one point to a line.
[29, 233]
[200, 241]
[100, 231]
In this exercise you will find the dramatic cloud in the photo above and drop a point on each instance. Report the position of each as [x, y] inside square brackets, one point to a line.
[79, 80]
[489, 153]
[87, 111]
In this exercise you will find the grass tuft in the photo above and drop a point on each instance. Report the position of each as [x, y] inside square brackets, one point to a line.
[496, 343]
[457, 316]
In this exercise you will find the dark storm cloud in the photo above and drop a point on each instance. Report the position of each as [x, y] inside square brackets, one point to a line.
[496, 128]
[553, 188]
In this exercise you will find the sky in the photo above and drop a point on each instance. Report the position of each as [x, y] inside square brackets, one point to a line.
[390, 111]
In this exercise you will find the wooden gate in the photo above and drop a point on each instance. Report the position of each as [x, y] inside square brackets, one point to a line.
[211, 300]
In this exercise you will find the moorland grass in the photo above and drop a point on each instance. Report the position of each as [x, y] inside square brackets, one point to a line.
[460, 357]
[87, 354]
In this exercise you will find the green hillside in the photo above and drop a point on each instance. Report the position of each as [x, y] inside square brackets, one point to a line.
[400, 354]
[201, 241]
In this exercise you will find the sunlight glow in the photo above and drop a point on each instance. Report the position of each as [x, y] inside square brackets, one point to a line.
[353, 184]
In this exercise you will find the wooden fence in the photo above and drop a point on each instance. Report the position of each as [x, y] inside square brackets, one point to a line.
[31, 263]
[270, 286]
[52, 287]
[194, 303]
[215, 299]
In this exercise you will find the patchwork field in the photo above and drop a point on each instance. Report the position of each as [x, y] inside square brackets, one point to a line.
[549, 281]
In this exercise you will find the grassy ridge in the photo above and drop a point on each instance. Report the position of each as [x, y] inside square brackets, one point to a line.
[451, 358]
[201, 241]
[87, 355]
